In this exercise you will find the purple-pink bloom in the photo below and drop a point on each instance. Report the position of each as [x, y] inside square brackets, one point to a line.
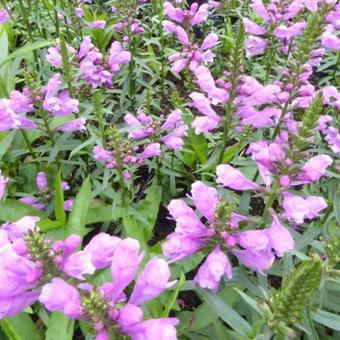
[101, 248]
[203, 105]
[21, 103]
[98, 24]
[130, 315]
[125, 263]
[151, 150]
[330, 41]
[212, 270]
[75, 125]
[4, 16]
[259, 8]
[252, 28]
[59, 296]
[255, 46]
[3, 184]
[233, 178]
[118, 56]
[254, 260]
[280, 238]
[205, 199]
[177, 247]
[12, 305]
[21, 227]
[33, 202]
[78, 264]
[8, 118]
[154, 329]
[41, 181]
[152, 281]
[315, 168]
[100, 154]
[298, 208]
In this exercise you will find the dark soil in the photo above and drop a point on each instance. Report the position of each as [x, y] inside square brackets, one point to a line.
[163, 227]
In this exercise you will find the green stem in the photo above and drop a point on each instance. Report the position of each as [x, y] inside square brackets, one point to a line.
[56, 19]
[29, 146]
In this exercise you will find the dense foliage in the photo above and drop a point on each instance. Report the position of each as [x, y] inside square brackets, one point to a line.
[169, 169]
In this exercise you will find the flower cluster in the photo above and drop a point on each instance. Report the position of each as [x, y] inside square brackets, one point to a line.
[33, 268]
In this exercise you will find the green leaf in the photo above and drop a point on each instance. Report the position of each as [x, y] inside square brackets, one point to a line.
[59, 327]
[172, 300]
[250, 301]
[133, 229]
[327, 319]
[59, 210]
[6, 142]
[139, 222]
[25, 51]
[149, 208]
[200, 146]
[99, 214]
[77, 219]
[230, 152]
[12, 210]
[226, 313]
[20, 327]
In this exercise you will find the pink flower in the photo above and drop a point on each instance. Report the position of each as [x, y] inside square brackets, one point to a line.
[59, 296]
[79, 12]
[125, 263]
[259, 8]
[53, 56]
[100, 154]
[187, 223]
[176, 14]
[137, 128]
[78, 264]
[99, 24]
[205, 199]
[174, 139]
[101, 248]
[280, 238]
[4, 16]
[312, 5]
[118, 56]
[212, 270]
[21, 227]
[130, 315]
[20, 102]
[252, 28]
[12, 305]
[41, 181]
[151, 150]
[177, 247]
[207, 83]
[151, 282]
[68, 204]
[254, 260]
[298, 208]
[202, 104]
[154, 329]
[17, 273]
[3, 184]
[233, 178]
[315, 168]
[264, 95]
[254, 240]
[330, 41]
[33, 201]
[284, 32]
[75, 125]
[8, 118]
[255, 46]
